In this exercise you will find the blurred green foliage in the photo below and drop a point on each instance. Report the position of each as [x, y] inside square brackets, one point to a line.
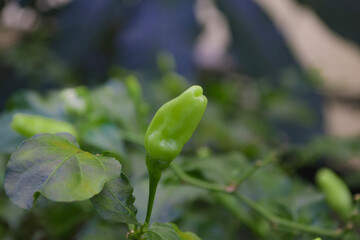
[236, 131]
[63, 68]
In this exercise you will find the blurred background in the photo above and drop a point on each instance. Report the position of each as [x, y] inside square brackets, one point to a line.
[278, 74]
[49, 44]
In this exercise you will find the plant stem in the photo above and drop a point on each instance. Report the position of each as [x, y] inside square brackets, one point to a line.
[254, 205]
[195, 181]
[271, 157]
[131, 226]
[284, 222]
[232, 204]
[154, 178]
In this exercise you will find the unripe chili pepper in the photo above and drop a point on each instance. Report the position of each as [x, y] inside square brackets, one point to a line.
[337, 193]
[173, 125]
[170, 128]
[28, 125]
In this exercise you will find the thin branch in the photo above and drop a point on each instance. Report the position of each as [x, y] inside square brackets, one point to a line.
[195, 181]
[284, 222]
[270, 158]
[254, 205]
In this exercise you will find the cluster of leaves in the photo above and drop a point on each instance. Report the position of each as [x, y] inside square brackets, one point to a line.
[245, 120]
[110, 121]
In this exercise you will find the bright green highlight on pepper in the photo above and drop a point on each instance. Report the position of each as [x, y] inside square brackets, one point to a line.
[28, 125]
[174, 124]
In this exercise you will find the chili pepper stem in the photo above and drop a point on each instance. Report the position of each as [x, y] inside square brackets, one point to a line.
[154, 179]
[336, 233]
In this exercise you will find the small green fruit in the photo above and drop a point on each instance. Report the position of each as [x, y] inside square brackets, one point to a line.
[29, 125]
[172, 126]
[337, 193]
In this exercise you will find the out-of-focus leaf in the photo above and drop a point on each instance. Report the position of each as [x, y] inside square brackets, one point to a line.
[104, 137]
[49, 105]
[165, 62]
[162, 231]
[54, 166]
[174, 84]
[224, 169]
[350, 236]
[185, 235]
[115, 201]
[330, 147]
[35, 61]
[280, 105]
[112, 102]
[228, 135]
[9, 140]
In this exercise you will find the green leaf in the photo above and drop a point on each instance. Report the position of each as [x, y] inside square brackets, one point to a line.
[115, 201]
[54, 166]
[49, 105]
[8, 138]
[113, 102]
[162, 231]
[104, 136]
[185, 235]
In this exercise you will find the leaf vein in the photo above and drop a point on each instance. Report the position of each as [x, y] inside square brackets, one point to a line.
[112, 194]
[58, 166]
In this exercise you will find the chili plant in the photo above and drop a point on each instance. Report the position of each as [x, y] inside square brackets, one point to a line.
[51, 164]
[54, 166]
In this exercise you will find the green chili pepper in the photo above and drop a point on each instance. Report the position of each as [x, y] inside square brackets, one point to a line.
[337, 193]
[173, 125]
[29, 125]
